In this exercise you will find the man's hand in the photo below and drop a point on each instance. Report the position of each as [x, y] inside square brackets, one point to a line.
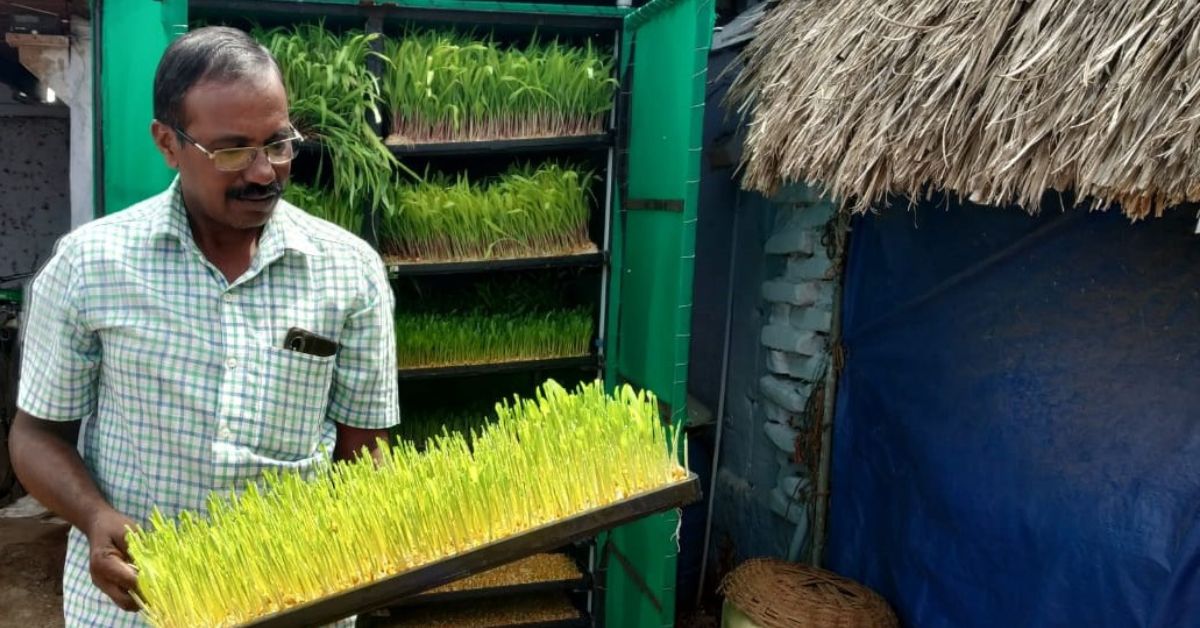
[351, 440]
[109, 557]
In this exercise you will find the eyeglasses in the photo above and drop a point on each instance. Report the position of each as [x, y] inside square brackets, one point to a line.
[278, 152]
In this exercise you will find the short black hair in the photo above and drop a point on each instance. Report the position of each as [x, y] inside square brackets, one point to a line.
[212, 53]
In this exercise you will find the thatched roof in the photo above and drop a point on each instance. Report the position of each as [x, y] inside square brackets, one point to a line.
[996, 100]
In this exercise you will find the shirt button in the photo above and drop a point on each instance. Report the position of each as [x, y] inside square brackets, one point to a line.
[228, 297]
[225, 434]
[231, 363]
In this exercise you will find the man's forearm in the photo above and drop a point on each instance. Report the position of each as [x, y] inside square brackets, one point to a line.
[49, 467]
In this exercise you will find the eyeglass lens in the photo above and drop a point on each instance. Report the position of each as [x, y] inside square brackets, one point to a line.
[278, 153]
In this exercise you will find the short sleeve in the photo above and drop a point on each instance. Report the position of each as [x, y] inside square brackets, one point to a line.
[364, 393]
[60, 356]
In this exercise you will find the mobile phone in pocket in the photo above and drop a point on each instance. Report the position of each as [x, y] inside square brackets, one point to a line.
[304, 341]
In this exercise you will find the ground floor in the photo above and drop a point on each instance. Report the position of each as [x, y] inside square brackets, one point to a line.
[32, 546]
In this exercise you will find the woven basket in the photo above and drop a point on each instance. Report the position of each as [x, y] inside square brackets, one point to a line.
[778, 594]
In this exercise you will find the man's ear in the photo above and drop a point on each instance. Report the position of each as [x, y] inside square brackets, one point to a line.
[167, 142]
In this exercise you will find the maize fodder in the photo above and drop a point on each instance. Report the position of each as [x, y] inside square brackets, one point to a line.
[287, 540]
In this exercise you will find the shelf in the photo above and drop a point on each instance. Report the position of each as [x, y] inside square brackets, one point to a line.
[484, 593]
[385, 592]
[532, 145]
[581, 362]
[550, 572]
[421, 269]
[449, 11]
[583, 621]
[578, 622]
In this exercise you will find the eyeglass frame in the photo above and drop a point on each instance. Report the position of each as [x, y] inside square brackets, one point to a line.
[212, 154]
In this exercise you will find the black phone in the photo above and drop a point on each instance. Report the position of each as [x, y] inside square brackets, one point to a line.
[304, 341]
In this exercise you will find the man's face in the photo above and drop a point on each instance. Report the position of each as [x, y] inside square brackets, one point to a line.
[250, 111]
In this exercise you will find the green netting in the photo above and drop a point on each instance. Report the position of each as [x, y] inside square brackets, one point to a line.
[132, 36]
[657, 230]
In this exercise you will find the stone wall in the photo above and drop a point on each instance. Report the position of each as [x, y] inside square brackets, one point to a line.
[766, 261]
[799, 298]
[779, 352]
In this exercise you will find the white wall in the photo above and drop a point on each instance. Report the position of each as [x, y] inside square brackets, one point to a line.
[79, 80]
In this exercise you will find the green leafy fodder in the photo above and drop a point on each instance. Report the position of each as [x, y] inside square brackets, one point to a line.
[446, 86]
[425, 339]
[288, 540]
[325, 204]
[527, 211]
[334, 100]
[423, 427]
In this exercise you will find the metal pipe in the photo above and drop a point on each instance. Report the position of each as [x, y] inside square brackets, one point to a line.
[831, 378]
[798, 535]
[609, 183]
[716, 457]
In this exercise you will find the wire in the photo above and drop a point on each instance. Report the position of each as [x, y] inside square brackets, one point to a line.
[16, 277]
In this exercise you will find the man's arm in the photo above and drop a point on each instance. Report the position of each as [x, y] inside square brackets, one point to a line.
[60, 364]
[49, 467]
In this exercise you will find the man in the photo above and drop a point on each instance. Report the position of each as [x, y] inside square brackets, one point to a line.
[200, 337]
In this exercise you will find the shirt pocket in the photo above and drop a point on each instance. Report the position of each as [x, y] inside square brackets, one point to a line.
[295, 396]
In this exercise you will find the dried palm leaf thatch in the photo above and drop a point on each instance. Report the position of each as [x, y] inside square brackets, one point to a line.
[995, 100]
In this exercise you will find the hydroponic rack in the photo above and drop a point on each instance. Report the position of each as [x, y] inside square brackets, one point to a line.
[644, 222]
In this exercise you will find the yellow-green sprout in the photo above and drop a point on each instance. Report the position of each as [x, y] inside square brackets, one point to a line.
[288, 540]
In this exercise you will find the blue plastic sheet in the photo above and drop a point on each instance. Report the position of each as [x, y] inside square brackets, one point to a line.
[1017, 438]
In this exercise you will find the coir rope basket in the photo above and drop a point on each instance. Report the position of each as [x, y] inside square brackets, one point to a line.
[773, 593]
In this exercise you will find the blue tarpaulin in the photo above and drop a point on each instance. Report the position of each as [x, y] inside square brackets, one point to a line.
[1017, 437]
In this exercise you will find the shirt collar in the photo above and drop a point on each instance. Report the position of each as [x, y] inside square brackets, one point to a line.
[172, 220]
[281, 233]
[284, 232]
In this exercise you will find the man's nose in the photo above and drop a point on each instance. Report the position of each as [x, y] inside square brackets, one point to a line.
[260, 171]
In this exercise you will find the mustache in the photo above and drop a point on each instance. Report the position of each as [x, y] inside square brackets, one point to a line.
[255, 191]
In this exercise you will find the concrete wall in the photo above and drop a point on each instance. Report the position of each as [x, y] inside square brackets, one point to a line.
[35, 190]
[46, 164]
[77, 80]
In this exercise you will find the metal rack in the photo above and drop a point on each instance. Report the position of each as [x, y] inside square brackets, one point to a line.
[646, 215]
